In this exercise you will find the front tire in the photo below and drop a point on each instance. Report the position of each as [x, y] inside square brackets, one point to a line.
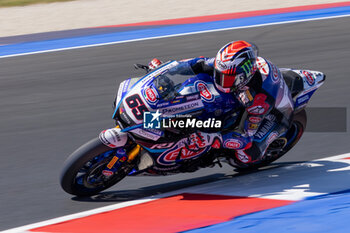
[86, 161]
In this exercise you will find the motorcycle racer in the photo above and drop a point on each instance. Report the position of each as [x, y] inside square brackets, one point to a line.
[261, 90]
[182, 116]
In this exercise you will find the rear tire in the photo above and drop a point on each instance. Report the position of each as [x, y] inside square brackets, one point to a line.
[298, 124]
[78, 160]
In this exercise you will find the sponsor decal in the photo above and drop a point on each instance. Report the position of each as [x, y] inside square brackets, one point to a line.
[309, 77]
[264, 129]
[155, 131]
[179, 97]
[123, 87]
[259, 105]
[162, 145]
[249, 95]
[121, 151]
[119, 94]
[151, 95]
[248, 67]
[274, 73]
[245, 97]
[216, 144]
[192, 97]
[180, 108]
[262, 66]
[112, 162]
[163, 104]
[126, 85]
[254, 119]
[107, 173]
[303, 99]
[166, 168]
[271, 117]
[252, 126]
[125, 118]
[204, 91]
[198, 139]
[177, 153]
[272, 137]
[145, 134]
[221, 65]
[314, 88]
[243, 157]
[233, 144]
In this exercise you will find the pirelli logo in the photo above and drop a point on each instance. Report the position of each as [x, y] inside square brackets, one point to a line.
[112, 162]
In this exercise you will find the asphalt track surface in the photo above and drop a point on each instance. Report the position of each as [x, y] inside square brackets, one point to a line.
[51, 103]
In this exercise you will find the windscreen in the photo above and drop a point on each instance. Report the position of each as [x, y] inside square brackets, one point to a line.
[169, 83]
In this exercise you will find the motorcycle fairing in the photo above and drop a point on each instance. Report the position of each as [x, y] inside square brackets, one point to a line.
[197, 90]
[312, 80]
[218, 105]
[141, 82]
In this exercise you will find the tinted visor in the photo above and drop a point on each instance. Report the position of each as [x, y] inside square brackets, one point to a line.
[224, 80]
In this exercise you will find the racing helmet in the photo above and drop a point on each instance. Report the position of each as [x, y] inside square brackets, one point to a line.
[235, 65]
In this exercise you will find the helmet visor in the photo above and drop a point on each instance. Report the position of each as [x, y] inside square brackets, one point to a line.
[224, 80]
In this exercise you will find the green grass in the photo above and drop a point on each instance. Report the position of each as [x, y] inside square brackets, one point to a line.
[9, 3]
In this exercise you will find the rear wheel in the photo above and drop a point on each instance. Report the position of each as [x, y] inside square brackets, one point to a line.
[276, 150]
[82, 173]
[282, 145]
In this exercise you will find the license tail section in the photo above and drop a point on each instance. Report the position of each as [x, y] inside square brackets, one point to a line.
[312, 80]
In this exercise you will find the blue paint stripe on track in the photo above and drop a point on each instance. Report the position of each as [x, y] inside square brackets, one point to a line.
[118, 37]
[324, 214]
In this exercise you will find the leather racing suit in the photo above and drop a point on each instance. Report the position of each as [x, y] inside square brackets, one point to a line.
[268, 108]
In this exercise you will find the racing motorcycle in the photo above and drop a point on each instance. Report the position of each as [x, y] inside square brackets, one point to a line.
[144, 109]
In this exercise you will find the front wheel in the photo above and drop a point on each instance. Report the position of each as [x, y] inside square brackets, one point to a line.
[82, 173]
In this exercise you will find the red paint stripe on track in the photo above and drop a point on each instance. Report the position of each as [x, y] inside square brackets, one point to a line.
[173, 214]
[210, 18]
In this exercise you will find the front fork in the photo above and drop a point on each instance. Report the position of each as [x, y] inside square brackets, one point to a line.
[116, 139]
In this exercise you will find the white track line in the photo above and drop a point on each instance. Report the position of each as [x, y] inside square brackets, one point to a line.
[290, 194]
[173, 35]
[78, 215]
